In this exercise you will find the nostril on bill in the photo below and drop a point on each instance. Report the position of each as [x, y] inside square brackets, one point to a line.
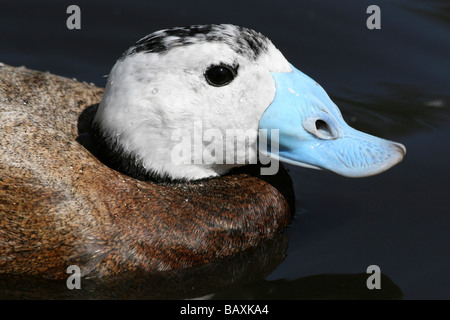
[324, 130]
[320, 128]
[323, 127]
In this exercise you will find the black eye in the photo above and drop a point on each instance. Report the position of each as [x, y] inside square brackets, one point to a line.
[219, 75]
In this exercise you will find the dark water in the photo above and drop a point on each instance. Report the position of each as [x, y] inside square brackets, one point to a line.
[393, 82]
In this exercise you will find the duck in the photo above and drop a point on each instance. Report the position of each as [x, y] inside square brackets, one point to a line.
[176, 163]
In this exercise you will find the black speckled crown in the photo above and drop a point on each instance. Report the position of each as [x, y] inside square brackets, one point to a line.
[244, 41]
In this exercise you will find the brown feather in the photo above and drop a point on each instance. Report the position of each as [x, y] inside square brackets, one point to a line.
[60, 205]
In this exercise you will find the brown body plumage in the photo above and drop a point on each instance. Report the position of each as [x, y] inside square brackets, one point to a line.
[61, 206]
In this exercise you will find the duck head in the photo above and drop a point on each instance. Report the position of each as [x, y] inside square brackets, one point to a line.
[191, 103]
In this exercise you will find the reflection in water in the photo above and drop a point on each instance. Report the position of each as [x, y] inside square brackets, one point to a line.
[246, 267]
[323, 286]
[239, 277]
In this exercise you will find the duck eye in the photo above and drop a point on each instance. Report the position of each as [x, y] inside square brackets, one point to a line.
[219, 75]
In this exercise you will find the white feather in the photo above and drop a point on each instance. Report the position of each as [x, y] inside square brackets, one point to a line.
[149, 96]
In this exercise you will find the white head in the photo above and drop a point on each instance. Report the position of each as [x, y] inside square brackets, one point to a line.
[161, 85]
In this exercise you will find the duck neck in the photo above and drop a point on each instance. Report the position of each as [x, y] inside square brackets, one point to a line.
[115, 157]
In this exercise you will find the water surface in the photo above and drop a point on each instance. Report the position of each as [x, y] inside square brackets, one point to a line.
[393, 82]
